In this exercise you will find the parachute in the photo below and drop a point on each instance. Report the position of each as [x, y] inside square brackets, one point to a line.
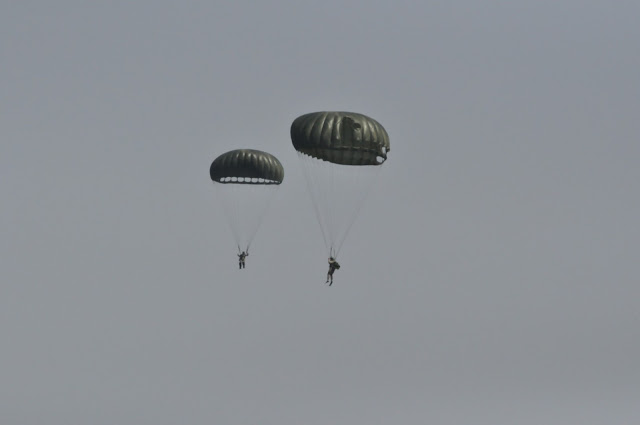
[341, 154]
[246, 181]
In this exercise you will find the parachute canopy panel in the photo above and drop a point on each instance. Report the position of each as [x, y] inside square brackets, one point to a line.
[247, 166]
[345, 138]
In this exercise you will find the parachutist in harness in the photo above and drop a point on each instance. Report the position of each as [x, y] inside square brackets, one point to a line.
[333, 266]
[241, 258]
[341, 154]
[233, 173]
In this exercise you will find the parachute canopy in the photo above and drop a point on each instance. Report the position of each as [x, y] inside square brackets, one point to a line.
[247, 166]
[346, 138]
[341, 154]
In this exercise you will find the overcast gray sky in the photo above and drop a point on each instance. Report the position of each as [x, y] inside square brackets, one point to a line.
[491, 278]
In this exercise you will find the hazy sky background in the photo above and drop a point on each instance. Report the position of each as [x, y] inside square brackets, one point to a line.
[491, 278]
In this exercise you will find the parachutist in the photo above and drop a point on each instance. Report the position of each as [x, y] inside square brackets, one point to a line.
[241, 258]
[333, 266]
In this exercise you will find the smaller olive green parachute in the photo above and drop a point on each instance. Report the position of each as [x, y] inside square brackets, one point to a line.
[247, 166]
[346, 138]
[246, 181]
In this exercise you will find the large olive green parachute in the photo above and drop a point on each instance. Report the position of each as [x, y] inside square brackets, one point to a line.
[246, 181]
[247, 166]
[341, 154]
[340, 137]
